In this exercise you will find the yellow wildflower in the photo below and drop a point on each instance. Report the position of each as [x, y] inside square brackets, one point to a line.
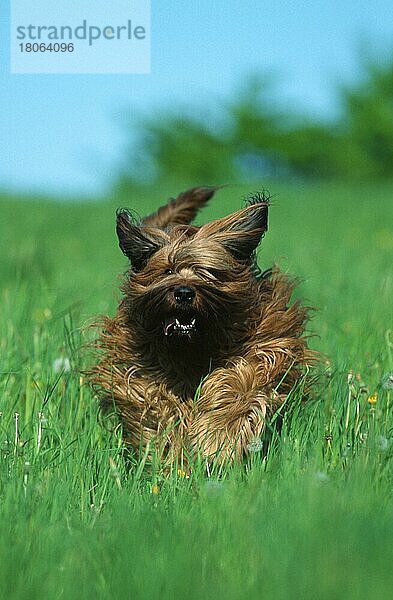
[155, 489]
[373, 398]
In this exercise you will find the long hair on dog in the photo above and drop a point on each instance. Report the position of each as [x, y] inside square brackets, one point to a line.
[204, 346]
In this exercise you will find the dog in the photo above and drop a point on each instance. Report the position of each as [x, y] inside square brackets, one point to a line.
[204, 347]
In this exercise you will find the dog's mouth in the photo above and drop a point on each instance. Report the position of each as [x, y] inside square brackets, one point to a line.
[182, 326]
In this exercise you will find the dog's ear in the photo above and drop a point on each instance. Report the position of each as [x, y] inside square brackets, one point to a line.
[240, 232]
[181, 210]
[136, 242]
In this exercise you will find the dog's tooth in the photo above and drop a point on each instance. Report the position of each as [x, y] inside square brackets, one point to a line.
[177, 322]
[192, 323]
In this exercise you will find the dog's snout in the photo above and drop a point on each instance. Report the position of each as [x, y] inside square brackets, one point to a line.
[184, 294]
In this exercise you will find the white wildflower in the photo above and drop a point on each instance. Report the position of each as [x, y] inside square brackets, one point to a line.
[256, 445]
[383, 443]
[214, 486]
[61, 364]
[387, 382]
[321, 477]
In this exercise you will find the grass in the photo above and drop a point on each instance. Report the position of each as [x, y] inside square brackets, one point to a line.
[312, 519]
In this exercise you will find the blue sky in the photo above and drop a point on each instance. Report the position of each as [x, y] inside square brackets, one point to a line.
[65, 134]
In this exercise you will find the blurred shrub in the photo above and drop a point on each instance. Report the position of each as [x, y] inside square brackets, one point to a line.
[367, 124]
[254, 138]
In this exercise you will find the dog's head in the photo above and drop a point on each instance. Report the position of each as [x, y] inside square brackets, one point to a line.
[185, 282]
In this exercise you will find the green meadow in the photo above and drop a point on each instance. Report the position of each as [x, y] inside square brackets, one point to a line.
[311, 519]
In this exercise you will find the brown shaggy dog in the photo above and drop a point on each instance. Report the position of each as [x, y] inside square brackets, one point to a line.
[204, 346]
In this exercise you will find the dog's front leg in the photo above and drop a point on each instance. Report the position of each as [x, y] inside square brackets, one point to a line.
[151, 415]
[229, 414]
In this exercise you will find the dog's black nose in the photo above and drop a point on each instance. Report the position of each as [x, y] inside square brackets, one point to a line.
[184, 294]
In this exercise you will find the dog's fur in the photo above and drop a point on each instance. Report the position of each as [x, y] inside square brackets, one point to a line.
[203, 346]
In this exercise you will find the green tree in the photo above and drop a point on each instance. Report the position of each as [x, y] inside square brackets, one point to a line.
[253, 137]
[367, 121]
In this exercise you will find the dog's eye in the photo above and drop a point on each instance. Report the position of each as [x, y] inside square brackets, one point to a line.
[208, 275]
[169, 272]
